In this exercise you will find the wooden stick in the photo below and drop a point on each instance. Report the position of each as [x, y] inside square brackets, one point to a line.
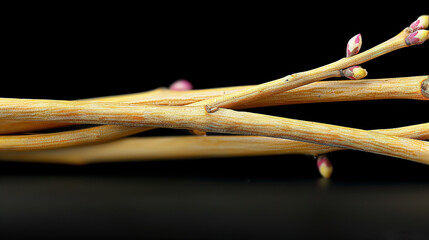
[65, 139]
[12, 126]
[299, 79]
[317, 92]
[180, 147]
[325, 91]
[223, 121]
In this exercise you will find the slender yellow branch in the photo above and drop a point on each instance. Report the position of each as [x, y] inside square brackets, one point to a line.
[299, 79]
[179, 147]
[324, 91]
[15, 126]
[65, 139]
[223, 120]
[11, 126]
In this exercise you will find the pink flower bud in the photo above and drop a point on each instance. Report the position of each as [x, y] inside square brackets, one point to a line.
[354, 73]
[421, 23]
[181, 85]
[324, 166]
[354, 45]
[417, 37]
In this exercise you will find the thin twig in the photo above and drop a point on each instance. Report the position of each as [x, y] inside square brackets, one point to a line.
[223, 121]
[186, 147]
[66, 139]
[11, 126]
[299, 79]
[318, 92]
[324, 91]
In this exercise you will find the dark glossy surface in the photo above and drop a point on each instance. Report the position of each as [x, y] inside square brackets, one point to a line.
[262, 198]
[175, 208]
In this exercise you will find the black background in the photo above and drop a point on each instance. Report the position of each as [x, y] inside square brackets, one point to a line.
[72, 52]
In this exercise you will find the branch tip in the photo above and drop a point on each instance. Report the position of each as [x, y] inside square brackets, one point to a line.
[417, 37]
[210, 109]
[421, 23]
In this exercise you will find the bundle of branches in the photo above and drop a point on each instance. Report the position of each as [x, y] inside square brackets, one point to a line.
[215, 110]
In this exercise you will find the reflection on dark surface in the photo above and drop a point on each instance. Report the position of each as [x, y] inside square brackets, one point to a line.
[205, 200]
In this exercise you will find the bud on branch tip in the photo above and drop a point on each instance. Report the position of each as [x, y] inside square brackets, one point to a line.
[354, 45]
[417, 37]
[421, 23]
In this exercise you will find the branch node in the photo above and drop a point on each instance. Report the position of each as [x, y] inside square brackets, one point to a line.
[353, 73]
[425, 88]
[289, 77]
[210, 109]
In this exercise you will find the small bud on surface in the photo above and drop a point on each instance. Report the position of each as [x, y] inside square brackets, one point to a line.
[421, 23]
[324, 166]
[354, 45]
[181, 85]
[417, 37]
[355, 72]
